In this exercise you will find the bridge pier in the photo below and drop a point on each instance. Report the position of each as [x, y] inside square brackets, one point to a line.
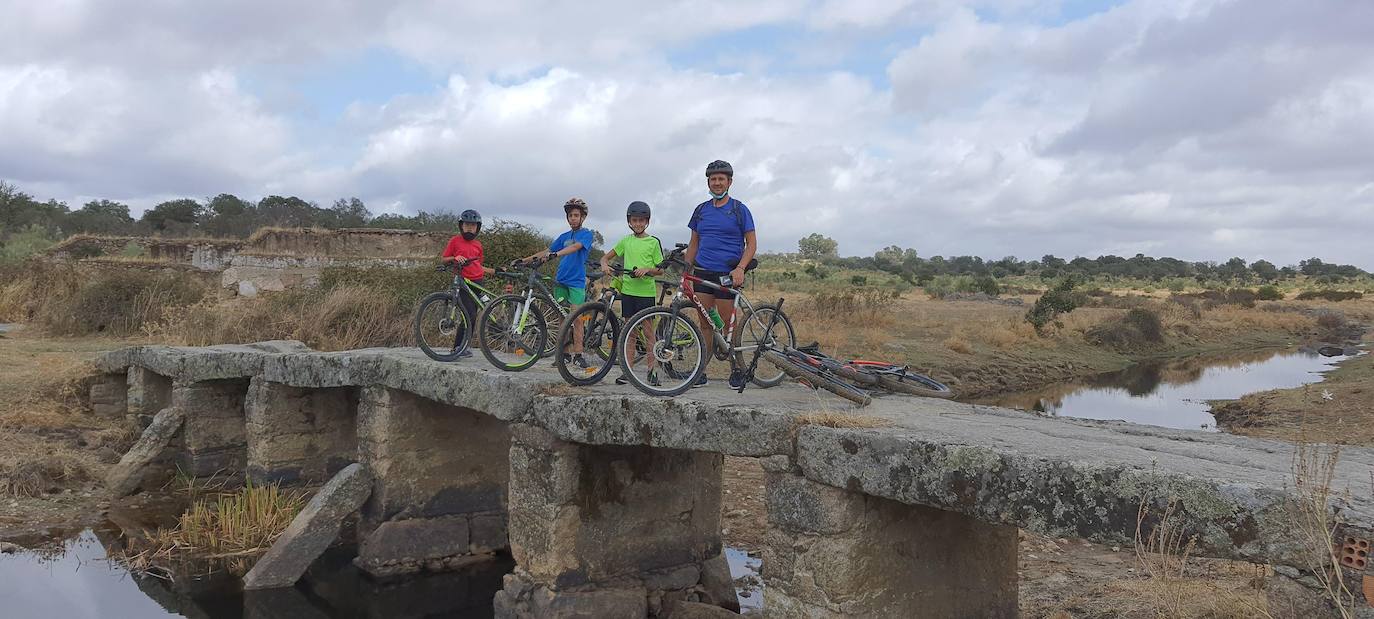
[147, 392]
[439, 495]
[297, 434]
[214, 437]
[834, 552]
[608, 531]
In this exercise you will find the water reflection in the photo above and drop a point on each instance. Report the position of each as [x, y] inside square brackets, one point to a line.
[74, 579]
[1172, 393]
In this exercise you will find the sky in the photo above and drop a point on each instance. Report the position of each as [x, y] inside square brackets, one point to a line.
[1200, 129]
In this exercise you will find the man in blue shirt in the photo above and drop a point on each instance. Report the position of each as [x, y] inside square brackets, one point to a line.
[570, 283]
[723, 242]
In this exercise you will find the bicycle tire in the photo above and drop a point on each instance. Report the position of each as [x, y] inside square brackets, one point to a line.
[683, 321]
[464, 323]
[818, 379]
[581, 379]
[554, 316]
[912, 383]
[742, 359]
[668, 368]
[536, 323]
[857, 376]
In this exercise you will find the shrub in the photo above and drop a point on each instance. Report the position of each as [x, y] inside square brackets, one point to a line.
[1243, 297]
[859, 280]
[1137, 328]
[1269, 292]
[1331, 322]
[115, 301]
[849, 301]
[1329, 295]
[987, 285]
[1058, 300]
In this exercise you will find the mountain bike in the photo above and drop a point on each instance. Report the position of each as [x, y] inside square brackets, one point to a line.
[442, 325]
[817, 372]
[600, 326]
[679, 341]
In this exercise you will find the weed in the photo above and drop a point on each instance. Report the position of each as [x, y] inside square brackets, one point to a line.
[1163, 553]
[1315, 523]
[958, 345]
[36, 476]
[1329, 295]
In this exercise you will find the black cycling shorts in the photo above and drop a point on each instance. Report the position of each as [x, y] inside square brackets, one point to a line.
[714, 277]
[629, 306]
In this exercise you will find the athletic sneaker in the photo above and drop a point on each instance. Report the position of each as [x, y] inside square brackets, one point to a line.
[736, 379]
[578, 361]
[653, 379]
[702, 382]
[467, 352]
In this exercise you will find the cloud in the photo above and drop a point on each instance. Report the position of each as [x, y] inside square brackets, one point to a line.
[1186, 127]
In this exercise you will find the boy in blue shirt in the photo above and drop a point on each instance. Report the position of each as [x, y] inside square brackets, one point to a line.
[570, 283]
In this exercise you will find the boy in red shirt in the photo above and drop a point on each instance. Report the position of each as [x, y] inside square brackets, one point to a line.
[464, 250]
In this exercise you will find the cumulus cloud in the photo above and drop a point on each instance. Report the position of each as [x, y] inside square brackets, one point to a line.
[1198, 128]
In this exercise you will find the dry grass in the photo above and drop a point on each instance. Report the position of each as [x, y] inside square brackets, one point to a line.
[230, 529]
[28, 473]
[832, 419]
[1315, 523]
[958, 344]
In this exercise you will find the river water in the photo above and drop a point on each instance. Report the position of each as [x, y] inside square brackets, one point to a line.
[1173, 393]
[74, 579]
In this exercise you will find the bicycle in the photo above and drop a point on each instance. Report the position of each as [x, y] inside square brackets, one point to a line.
[679, 341]
[601, 330]
[889, 376]
[513, 329]
[815, 372]
[441, 322]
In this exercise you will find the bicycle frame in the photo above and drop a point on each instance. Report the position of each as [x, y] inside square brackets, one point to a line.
[686, 289]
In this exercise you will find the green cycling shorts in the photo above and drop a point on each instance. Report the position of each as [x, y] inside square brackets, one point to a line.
[574, 296]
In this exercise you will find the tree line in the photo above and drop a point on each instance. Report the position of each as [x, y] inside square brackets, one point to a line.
[905, 263]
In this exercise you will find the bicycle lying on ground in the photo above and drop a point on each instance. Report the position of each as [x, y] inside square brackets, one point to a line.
[679, 345]
[807, 361]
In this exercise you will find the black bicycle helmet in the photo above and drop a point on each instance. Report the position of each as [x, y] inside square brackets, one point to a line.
[471, 217]
[638, 209]
[575, 203]
[720, 167]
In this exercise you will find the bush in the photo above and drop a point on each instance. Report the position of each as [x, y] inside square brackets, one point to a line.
[858, 280]
[1269, 292]
[1331, 323]
[1058, 300]
[1329, 295]
[1137, 328]
[849, 301]
[117, 301]
[987, 285]
[404, 286]
[816, 272]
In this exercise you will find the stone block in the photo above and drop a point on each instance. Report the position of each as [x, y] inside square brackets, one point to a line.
[697, 610]
[401, 546]
[312, 531]
[110, 396]
[584, 514]
[431, 459]
[147, 392]
[521, 598]
[891, 559]
[215, 436]
[487, 533]
[126, 476]
[299, 434]
[672, 579]
[719, 585]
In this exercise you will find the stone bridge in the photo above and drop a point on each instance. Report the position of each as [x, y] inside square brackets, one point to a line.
[609, 500]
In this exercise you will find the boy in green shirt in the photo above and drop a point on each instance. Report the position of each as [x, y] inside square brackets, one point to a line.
[640, 252]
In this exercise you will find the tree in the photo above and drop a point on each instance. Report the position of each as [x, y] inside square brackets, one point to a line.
[101, 217]
[228, 215]
[1235, 268]
[818, 247]
[288, 212]
[1264, 270]
[350, 213]
[173, 217]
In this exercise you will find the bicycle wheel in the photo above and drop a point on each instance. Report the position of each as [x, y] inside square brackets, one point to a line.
[441, 327]
[752, 331]
[599, 329]
[676, 368]
[553, 314]
[512, 334]
[817, 378]
[898, 379]
[679, 345]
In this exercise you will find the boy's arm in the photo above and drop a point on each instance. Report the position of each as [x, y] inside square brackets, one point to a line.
[606, 261]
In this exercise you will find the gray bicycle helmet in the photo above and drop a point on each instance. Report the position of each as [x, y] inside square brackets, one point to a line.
[638, 209]
[471, 217]
[575, 203]
[720, 167]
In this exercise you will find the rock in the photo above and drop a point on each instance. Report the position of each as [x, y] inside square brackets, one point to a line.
[697, 610]
[401, 546]
[9, 549]
[1331, 351]
[720, 587]
[312, 531]
[124, 477]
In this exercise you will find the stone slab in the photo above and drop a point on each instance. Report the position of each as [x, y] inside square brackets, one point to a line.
[312, 531]
[124, 477]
